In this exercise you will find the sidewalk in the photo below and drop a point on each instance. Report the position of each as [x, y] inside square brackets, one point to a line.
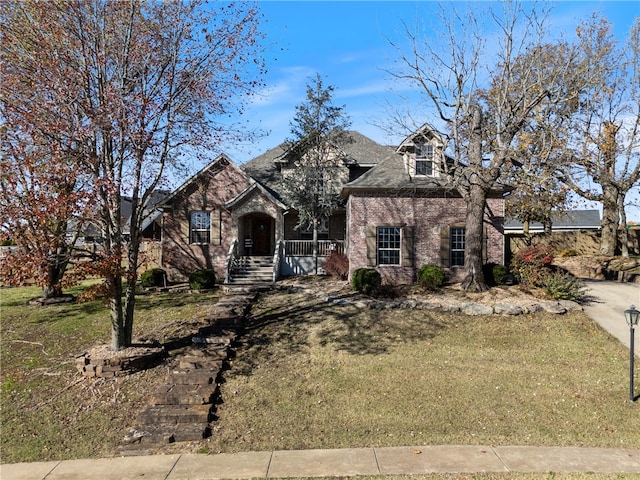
[327, 463]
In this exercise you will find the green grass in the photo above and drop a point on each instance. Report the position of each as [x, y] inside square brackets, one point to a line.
[343, 377]
[307, 374]
[47, 410]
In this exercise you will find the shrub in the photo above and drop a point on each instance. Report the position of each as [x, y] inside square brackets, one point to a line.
[569, 252]
[154, 277]
[430, 277]
[337, 265]
[203, 279]
[532, 264]
[563, 286]
[495, 274]
[366, 280]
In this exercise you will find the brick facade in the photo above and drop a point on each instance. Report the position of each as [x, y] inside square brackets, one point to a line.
[426, 219]
[209, 191]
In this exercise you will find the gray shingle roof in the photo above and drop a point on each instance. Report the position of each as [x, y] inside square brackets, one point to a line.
[390, 174]
[571, 220]
[362, 151]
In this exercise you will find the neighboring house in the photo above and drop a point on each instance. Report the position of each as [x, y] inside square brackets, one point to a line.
[399, 214]
[568, 221]
[577, 230]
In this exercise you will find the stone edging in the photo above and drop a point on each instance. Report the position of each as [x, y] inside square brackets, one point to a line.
[559, 307]
[90, 367]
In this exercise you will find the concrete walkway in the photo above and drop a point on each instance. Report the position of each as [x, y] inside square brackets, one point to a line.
[327, 463]
[608, 302]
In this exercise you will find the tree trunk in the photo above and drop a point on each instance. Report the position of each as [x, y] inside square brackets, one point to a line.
[624, 231]
[624, 235]
[476, 201]
[56, 269]
[118, 335]
[610, 221]
[315, 246]
[132, 278]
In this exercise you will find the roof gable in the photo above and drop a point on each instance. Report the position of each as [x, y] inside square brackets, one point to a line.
[425, 133]
[253, 189]
[221, 162]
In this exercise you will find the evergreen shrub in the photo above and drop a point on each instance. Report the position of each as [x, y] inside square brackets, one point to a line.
[430, 277]
[203, 279]
[154, 277]
[495, 274]
[564, 286]
[366, 280]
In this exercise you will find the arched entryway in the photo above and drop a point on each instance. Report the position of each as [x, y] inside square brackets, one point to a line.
[257, 234]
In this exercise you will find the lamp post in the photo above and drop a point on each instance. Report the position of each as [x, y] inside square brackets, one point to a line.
[631, 316]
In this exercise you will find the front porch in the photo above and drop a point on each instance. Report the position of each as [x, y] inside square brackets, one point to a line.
[298, 256]
[290, 258]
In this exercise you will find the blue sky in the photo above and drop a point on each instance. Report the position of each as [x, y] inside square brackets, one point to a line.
[347, 43]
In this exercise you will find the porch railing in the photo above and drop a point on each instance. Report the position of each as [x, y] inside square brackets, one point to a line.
[277, 257]
[231, 258]
[304, 248]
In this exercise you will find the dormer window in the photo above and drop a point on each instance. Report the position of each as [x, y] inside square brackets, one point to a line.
[424, 160]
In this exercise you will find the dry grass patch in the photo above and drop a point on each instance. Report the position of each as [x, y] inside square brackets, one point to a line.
[47, 410]
[316, 375]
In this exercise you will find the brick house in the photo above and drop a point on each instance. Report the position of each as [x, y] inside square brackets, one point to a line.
[398, 215]
[402, 214]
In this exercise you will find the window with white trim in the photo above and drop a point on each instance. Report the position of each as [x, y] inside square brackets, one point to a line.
[424, 160]
[388, 245]
[457, 236]
[200, 227]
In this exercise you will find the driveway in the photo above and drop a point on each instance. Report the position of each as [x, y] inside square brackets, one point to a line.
[608, 302]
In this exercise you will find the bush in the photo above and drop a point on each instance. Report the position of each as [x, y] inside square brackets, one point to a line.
[495, 274]
[203, 279]
[430, 277]
[569, 252]
[563, 286]
[532, 264]
[366, 280]
[337, 265]
[153, 278]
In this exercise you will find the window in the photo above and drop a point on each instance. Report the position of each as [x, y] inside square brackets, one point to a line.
[424, 160]
[200, 227]
[306, 232]
[457, 246]
[388, 245]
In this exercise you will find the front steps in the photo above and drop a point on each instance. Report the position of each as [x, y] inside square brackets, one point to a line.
[252, 271]
[183, 407]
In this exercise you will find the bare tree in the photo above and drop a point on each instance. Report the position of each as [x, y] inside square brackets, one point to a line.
[149, 81]
[485, 98]
[601, 143]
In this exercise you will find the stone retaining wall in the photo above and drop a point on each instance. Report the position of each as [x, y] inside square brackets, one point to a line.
[92, 366]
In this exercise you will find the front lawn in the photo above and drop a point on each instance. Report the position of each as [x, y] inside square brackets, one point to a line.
[48, 411]
[311, 374]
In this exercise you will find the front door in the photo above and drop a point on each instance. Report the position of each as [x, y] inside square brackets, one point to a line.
[261, 235]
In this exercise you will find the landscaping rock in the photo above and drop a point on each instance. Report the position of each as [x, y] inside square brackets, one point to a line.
[506, 309]
[477, 309]
[553, 307]
[531, 308]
